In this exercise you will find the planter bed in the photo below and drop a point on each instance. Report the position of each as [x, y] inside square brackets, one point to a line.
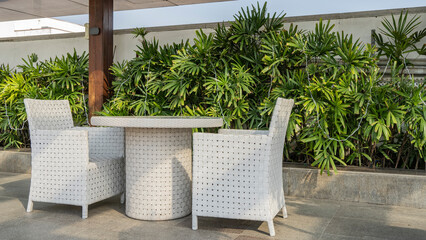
[15, 160]
[356, 184]
[391, 187]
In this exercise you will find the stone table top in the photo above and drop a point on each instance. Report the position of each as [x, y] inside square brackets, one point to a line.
[156, 121]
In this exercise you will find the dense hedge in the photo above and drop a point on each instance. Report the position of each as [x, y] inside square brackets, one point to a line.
[58, 78]
[344, 113]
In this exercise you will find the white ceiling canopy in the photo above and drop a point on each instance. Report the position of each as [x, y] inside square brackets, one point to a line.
[26, 9]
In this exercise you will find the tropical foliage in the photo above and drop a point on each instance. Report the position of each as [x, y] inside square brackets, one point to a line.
[397, 38]
[59, 78]
[345, 112]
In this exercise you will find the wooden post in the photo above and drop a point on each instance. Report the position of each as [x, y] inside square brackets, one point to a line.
[100, 52]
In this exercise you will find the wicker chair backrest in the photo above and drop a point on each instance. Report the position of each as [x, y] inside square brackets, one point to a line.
[48, 114]
[279, 121]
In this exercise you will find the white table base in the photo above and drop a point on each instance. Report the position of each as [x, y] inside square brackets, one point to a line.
[158, 173]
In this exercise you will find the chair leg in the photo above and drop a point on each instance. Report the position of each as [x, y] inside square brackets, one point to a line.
[271, 228]
[85, 211]
[284, 209]
[122, 198]
[30, 205]
[194, 222]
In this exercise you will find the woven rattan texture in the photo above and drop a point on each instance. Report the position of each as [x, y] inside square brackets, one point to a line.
[77, 166]
[105, 179]
[277, 131]
[103, 142]
[59, 175]
[238, 174]
[158, 173]
[48, 114]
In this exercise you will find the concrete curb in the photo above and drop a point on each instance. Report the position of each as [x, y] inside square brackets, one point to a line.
[398, 189]
[367, 187]
[15, 161]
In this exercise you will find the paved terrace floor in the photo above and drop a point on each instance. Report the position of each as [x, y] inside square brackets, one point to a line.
[307, 219]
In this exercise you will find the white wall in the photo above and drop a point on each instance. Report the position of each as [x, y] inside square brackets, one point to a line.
[12, 50]
[361, 27]
[125, 44]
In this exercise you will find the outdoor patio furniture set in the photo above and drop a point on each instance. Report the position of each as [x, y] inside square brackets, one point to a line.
[234, 174]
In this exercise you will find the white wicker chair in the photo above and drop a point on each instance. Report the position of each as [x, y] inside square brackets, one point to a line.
[72, 165]
[238, 173]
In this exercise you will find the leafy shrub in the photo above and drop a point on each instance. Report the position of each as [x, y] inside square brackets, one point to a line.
[59, 78]
[397, 38]
[344, 112]
[401, 39]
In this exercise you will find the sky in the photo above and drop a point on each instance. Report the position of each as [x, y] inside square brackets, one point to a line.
[224, 11]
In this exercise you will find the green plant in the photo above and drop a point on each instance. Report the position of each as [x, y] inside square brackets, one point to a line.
[344, 114]
[64, 77]
[215, 76]
[402, 39]
[397, 38]
[5, 71]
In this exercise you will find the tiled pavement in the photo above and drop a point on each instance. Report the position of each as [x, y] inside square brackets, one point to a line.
[307, 219]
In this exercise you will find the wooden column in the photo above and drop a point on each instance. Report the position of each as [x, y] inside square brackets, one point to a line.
[100, 52]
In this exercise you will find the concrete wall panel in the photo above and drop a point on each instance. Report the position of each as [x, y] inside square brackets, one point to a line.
[13, 49]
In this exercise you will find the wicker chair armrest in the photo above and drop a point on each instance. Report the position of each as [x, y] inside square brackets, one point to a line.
[243, 132]
[105, 172]
[226, 147]
[60, 147]
[105, 142]
[236, 164]
[246, 138]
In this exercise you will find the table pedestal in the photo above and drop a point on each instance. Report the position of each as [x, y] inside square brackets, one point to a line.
[158, 173]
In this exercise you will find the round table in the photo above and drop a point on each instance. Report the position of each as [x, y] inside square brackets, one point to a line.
[158, 163]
